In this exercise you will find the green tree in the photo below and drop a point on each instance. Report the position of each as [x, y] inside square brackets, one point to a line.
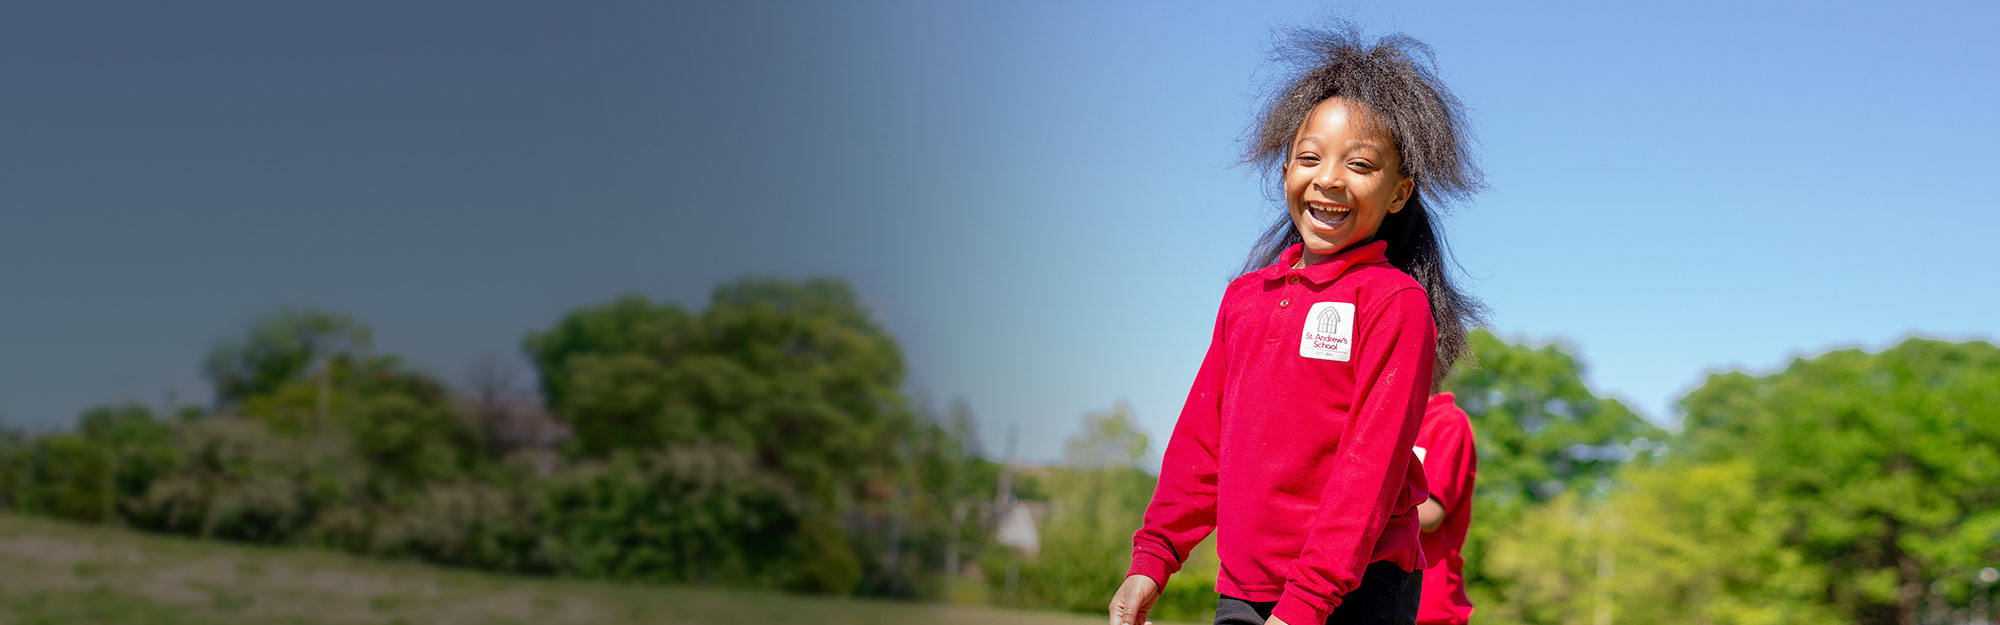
[13, 446]
[1675, 543]
[410, 440]
[65, 475]
[1694, 543]
[1540, 432]
[1544, 561]
[703, 514]
[311, 372]
[796, 375]
[943, 482]
[1885, 465]
[1098, 497]
[141, 449]
[793, 383]
[283, 347]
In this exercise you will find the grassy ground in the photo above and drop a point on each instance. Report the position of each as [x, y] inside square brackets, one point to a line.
[54, 573]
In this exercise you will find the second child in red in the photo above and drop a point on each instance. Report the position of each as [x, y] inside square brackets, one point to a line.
[1451, 468]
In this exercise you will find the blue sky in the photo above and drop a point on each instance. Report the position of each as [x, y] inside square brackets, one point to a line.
[1039, 199]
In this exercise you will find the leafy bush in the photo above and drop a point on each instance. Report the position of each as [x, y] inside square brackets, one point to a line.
[470, 524]
[690, 514]
[65, 476]
[235, 479]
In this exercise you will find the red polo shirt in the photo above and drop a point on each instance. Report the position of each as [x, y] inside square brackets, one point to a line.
[1295, 443]
[1450, 466]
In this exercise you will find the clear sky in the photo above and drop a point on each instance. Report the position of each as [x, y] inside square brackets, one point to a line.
[1039, 199]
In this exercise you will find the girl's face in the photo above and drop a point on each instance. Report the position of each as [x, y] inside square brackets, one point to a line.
[1342, 177]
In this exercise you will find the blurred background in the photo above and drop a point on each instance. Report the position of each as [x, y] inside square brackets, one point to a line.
[883, 311]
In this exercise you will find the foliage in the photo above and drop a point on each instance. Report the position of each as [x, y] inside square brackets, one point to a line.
[765, 442]
[1882, 466]
[702, 514]
[409, 441]
[281, 348]
[762, 442]
[140, 447]
[314, 378]
[235, 479]
[1100, 495]
[796, 376]
[1540, 432]
[64, 476]
[470, 523]
[1678, 543]
[944, 481]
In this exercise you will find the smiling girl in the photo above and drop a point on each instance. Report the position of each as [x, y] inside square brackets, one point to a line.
[1295, 443]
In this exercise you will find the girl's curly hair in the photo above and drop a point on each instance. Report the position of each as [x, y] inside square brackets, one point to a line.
[1396, 80]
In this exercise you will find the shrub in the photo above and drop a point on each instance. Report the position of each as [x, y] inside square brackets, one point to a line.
[690, 514]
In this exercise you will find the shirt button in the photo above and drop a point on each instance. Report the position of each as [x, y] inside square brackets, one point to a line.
[1295, 279]
[1284, 302]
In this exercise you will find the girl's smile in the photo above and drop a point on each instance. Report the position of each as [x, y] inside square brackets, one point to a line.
[1328, 217]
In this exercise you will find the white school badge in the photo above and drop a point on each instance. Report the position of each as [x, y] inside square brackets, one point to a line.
[1329, 332]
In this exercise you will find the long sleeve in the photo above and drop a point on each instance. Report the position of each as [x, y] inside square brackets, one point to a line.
[1182, 512]
[1393, 365]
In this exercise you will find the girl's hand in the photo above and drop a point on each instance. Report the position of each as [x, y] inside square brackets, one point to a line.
[1274, 620]
[1133, 600]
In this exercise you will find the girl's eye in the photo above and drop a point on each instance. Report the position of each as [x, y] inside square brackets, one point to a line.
[1360, 166]
[1308, 160]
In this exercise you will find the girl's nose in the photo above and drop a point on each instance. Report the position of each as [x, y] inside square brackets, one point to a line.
[1328, 178]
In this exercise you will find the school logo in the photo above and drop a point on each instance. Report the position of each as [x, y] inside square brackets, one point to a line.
[1329, 332]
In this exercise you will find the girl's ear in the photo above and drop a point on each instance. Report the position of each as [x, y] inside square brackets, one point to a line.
[1403, 190]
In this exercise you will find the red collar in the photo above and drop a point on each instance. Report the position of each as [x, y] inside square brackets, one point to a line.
[1326, 270]
[1438, 401]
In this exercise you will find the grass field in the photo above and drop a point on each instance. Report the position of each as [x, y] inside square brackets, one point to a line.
[55, 573]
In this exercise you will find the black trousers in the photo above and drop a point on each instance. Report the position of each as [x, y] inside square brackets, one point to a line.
[1387, 594]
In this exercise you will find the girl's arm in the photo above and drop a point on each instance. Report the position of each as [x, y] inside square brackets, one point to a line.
[1430, 514]
[1392, 369]
[1183, 509]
